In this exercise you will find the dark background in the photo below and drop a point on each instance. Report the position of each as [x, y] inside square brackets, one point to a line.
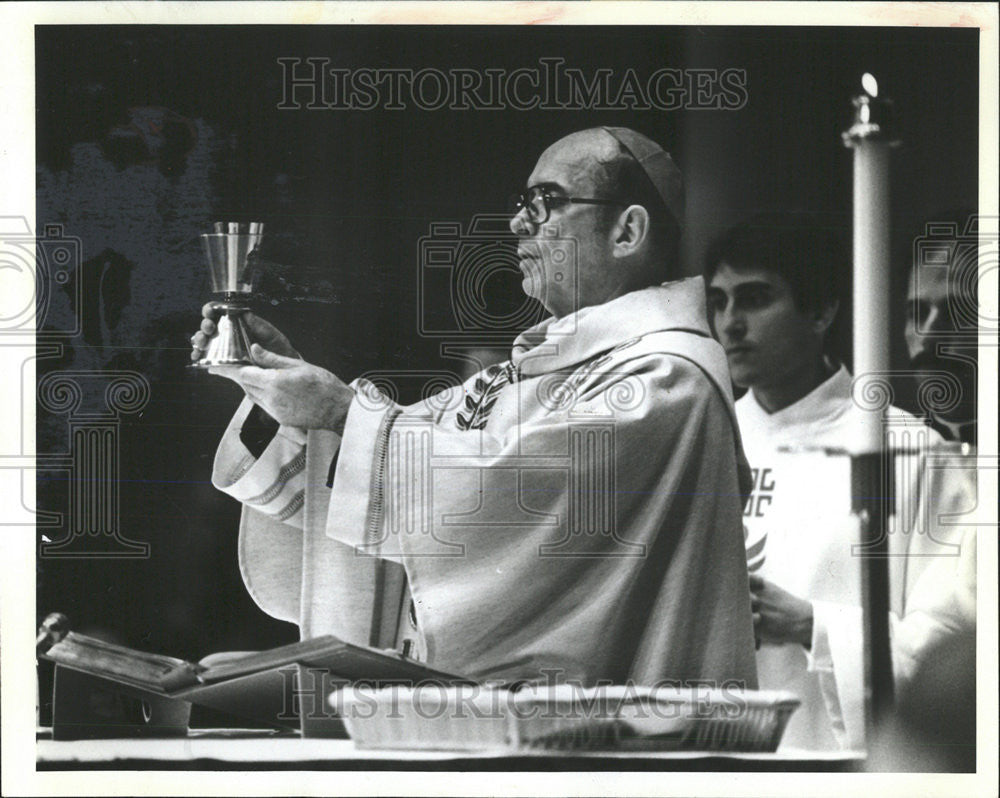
[146, 135]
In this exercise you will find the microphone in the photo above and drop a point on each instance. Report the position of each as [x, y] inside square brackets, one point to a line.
[53, 629]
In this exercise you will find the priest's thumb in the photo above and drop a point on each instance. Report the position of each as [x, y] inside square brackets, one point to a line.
[270, 360]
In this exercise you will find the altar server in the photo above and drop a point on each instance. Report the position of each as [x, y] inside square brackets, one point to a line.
[773, 288]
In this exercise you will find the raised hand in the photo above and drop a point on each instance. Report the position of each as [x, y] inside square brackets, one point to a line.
[293, 392]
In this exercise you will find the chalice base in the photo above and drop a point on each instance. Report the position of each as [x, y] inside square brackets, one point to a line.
[230, 346]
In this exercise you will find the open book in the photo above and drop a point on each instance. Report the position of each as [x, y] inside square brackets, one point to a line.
[171, 676]
[278, 687]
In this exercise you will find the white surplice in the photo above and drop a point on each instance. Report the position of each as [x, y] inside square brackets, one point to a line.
[801, 534]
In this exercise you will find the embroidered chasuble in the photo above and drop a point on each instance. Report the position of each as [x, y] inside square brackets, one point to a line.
[574, 513]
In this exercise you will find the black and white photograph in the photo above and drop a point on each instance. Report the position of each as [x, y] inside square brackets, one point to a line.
[499, 398]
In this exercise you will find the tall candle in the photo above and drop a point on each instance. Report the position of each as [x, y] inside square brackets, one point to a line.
[871, 468]
[871, 143]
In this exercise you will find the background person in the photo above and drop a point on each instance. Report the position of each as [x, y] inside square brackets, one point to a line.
[773, 294]
[942, 317]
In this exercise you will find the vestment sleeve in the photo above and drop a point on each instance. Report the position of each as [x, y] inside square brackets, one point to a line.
[274, 482]
[357, 488]
[939, 601]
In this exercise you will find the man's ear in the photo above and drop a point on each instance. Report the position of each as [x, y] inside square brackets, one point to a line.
[824, 317]
[631, 230]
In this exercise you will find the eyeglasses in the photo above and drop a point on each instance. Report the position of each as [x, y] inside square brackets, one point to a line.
[539, 201]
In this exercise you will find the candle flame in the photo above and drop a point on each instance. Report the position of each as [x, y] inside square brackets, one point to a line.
[869, 84]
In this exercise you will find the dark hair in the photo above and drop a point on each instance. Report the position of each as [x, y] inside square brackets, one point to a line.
[808, 250]
[623, 178]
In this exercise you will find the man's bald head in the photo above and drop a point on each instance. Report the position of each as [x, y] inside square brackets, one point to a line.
[609, 169]
[588, 153]
[593, 225]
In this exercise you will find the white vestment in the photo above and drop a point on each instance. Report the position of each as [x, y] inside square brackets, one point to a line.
[800, 535]
[572, 514]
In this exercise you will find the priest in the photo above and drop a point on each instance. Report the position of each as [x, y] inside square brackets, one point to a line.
[573, 514]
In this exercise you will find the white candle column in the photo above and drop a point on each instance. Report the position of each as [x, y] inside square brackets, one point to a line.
[871, 466]
[871, 274]
[871, 142]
